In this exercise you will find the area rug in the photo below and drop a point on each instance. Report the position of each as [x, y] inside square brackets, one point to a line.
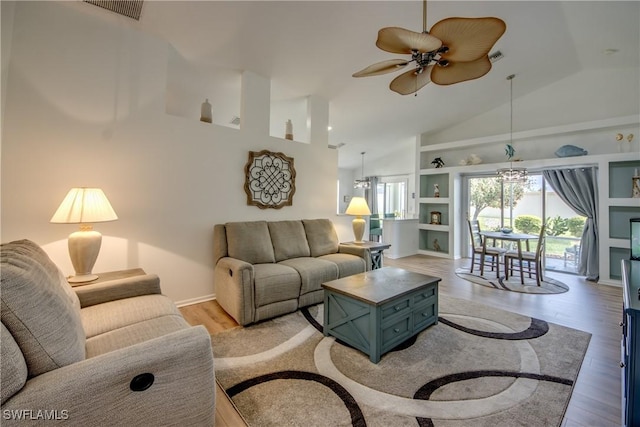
[477, 366]
[513, 284]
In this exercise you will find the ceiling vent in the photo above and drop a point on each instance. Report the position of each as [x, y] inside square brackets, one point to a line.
[496, 56]
[128, 8]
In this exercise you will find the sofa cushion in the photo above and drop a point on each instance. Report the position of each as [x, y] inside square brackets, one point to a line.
[36, 310]
[275, 282]
[13, 365]
[134, 334]
[322, 236]
[250, 241]
[289, 240]
[109, 316]
[347, 264]
[313, 272]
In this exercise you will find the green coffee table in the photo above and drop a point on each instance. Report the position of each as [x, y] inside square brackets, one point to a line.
[377, 310]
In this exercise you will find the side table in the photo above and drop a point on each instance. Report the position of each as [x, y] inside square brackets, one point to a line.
[376, 249]
[112, 275]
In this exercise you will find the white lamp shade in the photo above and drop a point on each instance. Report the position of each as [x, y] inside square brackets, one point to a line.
[358, 206]
[83, 205]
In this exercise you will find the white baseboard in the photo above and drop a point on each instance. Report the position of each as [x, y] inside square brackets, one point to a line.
[197, 300]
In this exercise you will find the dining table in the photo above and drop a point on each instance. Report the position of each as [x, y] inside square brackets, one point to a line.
[509, 237]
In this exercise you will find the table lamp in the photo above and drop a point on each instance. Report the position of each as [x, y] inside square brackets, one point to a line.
[358, 207]
[83, 206]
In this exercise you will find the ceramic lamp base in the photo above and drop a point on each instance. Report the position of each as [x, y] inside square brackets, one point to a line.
[84, 246]
[358, 229]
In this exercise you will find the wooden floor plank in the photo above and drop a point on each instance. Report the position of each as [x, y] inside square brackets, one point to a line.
[587, 306]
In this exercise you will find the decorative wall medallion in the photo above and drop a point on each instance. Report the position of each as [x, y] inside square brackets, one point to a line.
[270, 180]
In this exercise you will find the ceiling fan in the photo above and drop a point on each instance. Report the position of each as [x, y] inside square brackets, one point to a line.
[454, 51]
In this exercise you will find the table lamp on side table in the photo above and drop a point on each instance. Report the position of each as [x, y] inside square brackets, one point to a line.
[83, 206]
[358, 207]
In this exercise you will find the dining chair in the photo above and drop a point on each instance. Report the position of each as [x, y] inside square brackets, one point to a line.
[375, 228]
[492, 253]
[531, 262]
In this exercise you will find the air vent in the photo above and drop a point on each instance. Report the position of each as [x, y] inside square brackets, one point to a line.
[128, 8]
[235, 121]
[496, 56]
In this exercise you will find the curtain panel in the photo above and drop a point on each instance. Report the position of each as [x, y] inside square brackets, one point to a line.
[578, 188]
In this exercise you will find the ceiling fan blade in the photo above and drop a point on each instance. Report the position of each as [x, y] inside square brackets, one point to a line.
[457, 72]
[410, 81]
[399, 40]
[383, 67]
[468, 38]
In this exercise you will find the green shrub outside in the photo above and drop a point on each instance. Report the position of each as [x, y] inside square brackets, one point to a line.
[557, 226]
[576, 225]
[528, 224]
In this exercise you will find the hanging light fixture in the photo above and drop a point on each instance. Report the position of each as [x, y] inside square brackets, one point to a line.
[363, 182]
[511, 174]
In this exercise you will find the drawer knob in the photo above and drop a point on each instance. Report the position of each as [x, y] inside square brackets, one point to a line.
[424, 314]
[397, 307]
[396, 330]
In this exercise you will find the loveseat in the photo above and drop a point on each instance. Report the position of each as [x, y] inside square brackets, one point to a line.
[115, 353]
[266, 269]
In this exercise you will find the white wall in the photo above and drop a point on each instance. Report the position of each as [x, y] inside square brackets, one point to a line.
[86, 106]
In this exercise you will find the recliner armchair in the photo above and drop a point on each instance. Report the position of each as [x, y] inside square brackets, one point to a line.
[120, 353]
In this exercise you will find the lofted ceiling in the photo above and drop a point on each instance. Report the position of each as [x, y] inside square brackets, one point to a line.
[313, 47]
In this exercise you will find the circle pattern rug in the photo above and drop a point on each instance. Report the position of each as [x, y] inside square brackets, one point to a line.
[477, 366]
[513, 284]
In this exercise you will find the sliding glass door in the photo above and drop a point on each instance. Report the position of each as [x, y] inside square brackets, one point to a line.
[524, 207]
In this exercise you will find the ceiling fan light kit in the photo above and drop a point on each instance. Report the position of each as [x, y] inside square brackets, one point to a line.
[454, 51]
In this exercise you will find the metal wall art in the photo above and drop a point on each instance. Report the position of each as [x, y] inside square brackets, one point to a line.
[270, 180]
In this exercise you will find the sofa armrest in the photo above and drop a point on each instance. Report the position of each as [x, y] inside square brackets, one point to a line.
[360, 251]
[234, 287]
[112, 290]
[97, 392]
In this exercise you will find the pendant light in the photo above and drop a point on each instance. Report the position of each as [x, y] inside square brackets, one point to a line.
[511, 174]
[363, 182]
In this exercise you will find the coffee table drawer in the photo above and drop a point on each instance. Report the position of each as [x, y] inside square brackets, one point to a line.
[396, 333]
[425, 315]
[422, 296]
[399, 307]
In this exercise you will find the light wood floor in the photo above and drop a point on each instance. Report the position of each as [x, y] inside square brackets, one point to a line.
[587, 306]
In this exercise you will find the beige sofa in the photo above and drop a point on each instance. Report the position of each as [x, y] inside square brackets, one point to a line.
[115, 353]
[266, 269]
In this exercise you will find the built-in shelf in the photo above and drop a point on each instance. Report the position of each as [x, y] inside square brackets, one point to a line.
[428, 183]
[616, 255]
[620, 174]
[427, 242]
[619, 207]
[619, 217]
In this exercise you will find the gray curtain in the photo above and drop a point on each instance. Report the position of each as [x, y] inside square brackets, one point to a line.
[578, 188]
[371, 195]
